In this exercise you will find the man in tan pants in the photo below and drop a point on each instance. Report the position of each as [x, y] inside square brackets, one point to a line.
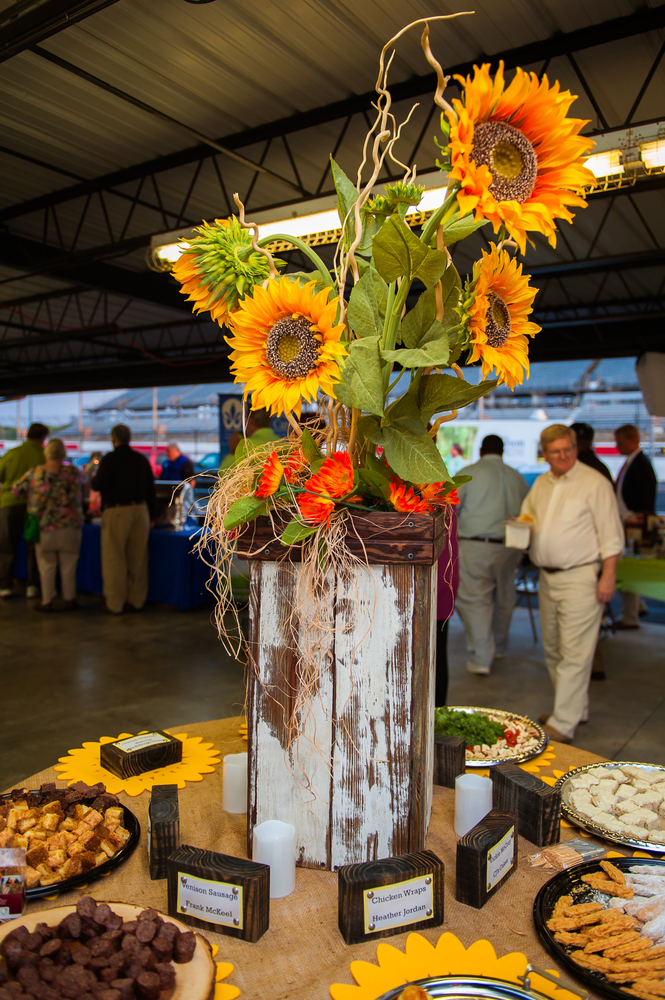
[576, 539]
[127, 486]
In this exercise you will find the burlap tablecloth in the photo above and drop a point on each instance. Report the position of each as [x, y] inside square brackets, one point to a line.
[302, 952]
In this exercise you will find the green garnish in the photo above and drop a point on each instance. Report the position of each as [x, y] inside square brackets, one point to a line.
[475, 728]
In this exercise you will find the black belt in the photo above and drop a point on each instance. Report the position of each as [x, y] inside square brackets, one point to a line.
[483, 538]
[129, 503]
[560, 569]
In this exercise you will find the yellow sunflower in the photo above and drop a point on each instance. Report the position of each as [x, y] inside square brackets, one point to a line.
[496, 304]
[286, 345]
[220, 267]
[517, 157]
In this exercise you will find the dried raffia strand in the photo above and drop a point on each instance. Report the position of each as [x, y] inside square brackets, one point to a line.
[294, 423]
[337, 410]
[255, 235]
[353, 434]
[330, 433]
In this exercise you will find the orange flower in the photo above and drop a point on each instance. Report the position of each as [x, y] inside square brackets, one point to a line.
[296, 462]
[437, 494]
[333, 481]
[271, 476]
[336, 474]
[405, 498]
[315, 509]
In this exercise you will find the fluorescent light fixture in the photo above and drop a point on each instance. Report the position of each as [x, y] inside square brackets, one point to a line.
[653, 154]
[607, 164]
[169, 253]
[302, 225]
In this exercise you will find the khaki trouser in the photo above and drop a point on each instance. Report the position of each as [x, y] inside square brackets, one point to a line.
[58, 548]
[570, 616]
[486, 597]
[125, 533]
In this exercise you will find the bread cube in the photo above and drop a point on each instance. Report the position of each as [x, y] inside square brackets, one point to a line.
[120, 836]
[6, 837]
[44, 870]
[75, 849]
[625, 792]
[50, 821]
[57, 842]
[93, 818]
[101, 858]
[108, 848]
[51, 879]
[603, 800]
[644, 817]
[32, 878]
[21, 841]
[87, 860]
[607, 786]
[68, 824]
[80, 811]
[657, 836]
[647, 800]
[56, 859]
[54, 808]
[89, 840]
[627, 806]
[114, 813]
[35, 835]
[37, 855]
[71, 868]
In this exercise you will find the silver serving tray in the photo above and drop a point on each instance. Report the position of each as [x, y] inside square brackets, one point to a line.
[501, 716]
[483, 988]
[596, 829]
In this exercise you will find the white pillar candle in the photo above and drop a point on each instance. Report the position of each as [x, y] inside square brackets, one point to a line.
[234, 787]
[275, 845]
[473, 801]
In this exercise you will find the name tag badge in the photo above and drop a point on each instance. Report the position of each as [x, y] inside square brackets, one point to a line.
[500, 859]
[217, 902]
[398, 904]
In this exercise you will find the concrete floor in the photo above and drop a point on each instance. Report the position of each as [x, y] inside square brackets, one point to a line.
[67, 678]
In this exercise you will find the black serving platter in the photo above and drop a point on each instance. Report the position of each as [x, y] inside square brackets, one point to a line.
[567, 883]
[129, 822]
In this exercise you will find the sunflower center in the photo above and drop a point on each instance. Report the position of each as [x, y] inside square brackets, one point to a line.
[510, 157]
[292, 348]
[497, 319]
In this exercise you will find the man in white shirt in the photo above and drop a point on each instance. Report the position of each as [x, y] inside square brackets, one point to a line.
[486, 595]
[576, 540]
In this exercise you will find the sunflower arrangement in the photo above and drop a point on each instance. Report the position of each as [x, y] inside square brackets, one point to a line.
[393, 309]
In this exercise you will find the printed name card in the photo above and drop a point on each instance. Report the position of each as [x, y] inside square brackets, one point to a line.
[382, 898]
[137, 754]
[486, 857]
[219, 892]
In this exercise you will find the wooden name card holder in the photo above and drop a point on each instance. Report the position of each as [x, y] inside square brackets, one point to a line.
[163, 827]
[381, 898]
[449, 759]
[486, 857]
[137, 754]
[538, 805]
[219, 892]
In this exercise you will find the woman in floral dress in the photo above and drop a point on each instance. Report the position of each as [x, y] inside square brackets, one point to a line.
[54, 495]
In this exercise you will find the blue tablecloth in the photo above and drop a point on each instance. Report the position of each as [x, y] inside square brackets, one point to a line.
[177, 574]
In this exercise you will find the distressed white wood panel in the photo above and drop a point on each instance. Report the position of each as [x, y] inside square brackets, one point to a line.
[291, 784]
[428, 741]
[373, 694]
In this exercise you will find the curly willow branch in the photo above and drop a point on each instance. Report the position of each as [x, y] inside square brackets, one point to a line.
[255, 235]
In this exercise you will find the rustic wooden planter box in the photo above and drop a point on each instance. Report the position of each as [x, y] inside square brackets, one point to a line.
[357, 782]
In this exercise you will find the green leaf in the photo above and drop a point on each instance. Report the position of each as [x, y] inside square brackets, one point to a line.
[361, 386]
[374, 484]
[377, 466]
[367, 305]
[412, 453]
[460, 229]
[347, 195]
[296, 531]
[461, 480]
[398, 253]
[304, 277]
[243, 510]
[433, 349]
[419, 319]
[437, 393]
[433, 266]
[310, 447]
[370, 428]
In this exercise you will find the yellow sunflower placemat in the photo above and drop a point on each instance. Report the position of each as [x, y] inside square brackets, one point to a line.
[448, 957]
[223, 991]
[82, 764]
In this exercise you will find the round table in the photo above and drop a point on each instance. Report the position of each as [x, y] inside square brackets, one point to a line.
[303, 952]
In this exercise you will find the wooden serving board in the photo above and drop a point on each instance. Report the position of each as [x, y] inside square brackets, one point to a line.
[193, 981]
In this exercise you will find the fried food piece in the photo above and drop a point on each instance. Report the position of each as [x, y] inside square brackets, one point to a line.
[612, 927]
[628, 948]
[565, 937]
[595, 962]
[654, 965]
[571, 923]
[656, 986]
[601, 884]
[607, 916]
[615, 941]
[560, 906]
[614, 873]
[577, 911]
